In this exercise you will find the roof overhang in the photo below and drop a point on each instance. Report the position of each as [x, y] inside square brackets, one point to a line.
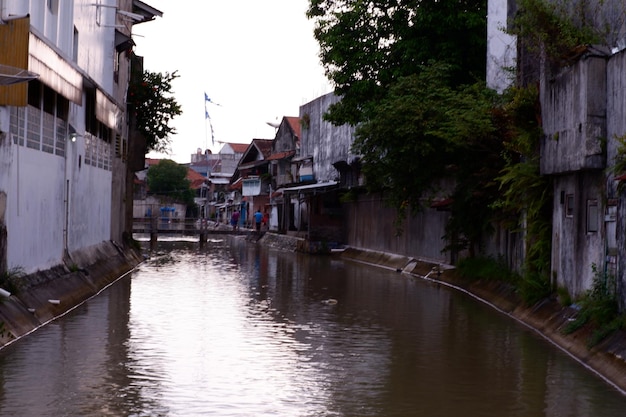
[252, 164]
[148, 12]
[219, 181]
[310, 187]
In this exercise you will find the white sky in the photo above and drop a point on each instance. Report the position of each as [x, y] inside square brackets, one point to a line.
[257, 59]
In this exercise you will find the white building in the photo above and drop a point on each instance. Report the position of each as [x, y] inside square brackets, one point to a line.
[501, 47]
[64, 135]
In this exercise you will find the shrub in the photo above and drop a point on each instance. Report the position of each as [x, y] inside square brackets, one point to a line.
[599, 308]
[486, 267]
[11, 280]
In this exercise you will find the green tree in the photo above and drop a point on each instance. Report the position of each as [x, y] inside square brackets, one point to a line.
[153, 108]
[426, 131]
[169, 180]
[367, 46]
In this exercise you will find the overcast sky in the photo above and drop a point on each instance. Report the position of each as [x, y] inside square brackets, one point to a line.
[256, 60]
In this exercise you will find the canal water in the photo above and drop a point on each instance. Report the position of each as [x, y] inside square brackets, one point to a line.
[235, 329]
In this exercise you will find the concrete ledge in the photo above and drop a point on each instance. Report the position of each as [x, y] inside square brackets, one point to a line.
[278, 241]
[387, 260]
[46, 295]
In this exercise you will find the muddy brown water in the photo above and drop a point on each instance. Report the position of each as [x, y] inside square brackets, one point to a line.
[236, 329]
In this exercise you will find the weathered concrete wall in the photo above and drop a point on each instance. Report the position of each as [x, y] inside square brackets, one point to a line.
[369, 225]
[40, 223]
[87, 272]
[574, 115]
[501, 47]
[322, 140]
[575, 248]
[616, 128]
[573, 107]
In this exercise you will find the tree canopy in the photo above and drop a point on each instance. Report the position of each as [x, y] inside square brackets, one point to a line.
[154, 107]
[169, 180]
[367, 46]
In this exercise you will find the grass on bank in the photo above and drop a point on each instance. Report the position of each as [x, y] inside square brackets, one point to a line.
[597, 308]
[11, 280]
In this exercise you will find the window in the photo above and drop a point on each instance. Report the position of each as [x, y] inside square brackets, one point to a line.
[592, 216]
[569, 205]
[75, 46]
[53, 6]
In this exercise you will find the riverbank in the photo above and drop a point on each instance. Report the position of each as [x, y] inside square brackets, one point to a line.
[46, 295]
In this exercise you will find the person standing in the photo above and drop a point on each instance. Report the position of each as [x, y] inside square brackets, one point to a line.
[258, 218]
[234, 219]
[266, 220]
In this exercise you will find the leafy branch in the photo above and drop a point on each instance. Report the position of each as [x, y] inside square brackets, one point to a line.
[153, 107]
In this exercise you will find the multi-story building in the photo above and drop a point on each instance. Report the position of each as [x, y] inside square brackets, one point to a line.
[66, 136]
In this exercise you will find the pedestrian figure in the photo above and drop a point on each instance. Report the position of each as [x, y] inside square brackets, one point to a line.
[258, 218]
[266, 219]
[234, 220]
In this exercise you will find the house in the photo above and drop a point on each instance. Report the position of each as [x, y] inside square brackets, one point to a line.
[204, 163]
[310, 205]
[250, 182]
[285, 146]
[200, 185]
[66, 134]
[219, 169]
[145, 205]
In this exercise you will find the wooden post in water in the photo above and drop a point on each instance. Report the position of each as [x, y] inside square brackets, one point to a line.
[204, 224]
[154, 232]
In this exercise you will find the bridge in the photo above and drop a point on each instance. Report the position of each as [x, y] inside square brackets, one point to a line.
[185, 227]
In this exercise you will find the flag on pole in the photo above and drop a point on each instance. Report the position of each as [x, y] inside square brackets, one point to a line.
[207, 117]
[208, 99]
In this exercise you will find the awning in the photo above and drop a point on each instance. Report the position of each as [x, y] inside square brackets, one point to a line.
[123, 42]
[301, 158]
[54, 71]
[310, 187]
[106, 111]
[219, 181]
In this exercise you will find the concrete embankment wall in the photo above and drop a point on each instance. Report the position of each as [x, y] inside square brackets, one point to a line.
[46, 295]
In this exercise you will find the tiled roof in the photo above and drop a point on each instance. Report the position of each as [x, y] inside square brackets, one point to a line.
[281, 155]
[196, 179]
[238, 147]
[265, 146]
[294, 122]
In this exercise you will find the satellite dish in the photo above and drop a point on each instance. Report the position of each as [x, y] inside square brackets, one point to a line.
[12, 75]
[275, 125]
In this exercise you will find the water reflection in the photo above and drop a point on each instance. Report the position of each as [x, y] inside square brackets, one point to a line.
[235, 329]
